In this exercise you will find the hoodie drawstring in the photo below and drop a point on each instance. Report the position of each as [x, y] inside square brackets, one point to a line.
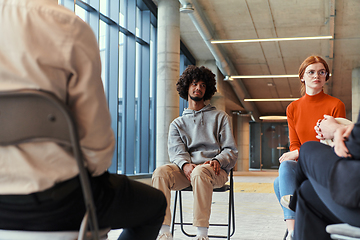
[188, 112]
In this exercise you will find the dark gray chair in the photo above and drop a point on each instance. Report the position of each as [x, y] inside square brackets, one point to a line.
[32, 115]
[343, 231]
[231, 214]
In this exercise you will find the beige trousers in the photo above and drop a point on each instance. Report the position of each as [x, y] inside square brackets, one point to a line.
[203, 180]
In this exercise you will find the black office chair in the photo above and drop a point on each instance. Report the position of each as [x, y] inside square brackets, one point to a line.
[31, 115]
[231, 214]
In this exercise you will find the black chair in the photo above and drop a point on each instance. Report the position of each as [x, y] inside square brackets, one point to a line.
[231, 214]
[343, 231]
[31, 115]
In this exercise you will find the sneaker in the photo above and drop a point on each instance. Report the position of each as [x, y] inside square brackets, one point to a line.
[201, 238]
[290, 235]
[165, 236]
[285, 201]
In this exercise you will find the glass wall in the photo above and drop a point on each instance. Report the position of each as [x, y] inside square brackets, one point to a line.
[126, 32]
[127, 36]
[268, 141]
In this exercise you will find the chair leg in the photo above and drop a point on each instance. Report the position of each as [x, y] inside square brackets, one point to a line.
[180, 209]
[174, 212]
[181, 218]
[231, 214]
[181, 223]
[286, 233]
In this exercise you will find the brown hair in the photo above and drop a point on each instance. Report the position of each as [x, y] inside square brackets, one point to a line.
[308, 61]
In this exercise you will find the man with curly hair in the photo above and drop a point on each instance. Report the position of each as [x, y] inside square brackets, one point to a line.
[201, 149]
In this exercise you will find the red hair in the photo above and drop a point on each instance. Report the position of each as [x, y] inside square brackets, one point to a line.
[308, 61]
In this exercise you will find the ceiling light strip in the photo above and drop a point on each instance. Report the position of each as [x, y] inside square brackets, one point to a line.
[273, 117]
[272, 39]
[270, 99]
[266, 76]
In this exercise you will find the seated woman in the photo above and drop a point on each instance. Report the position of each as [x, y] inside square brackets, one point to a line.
[329, 179]
[302, 116]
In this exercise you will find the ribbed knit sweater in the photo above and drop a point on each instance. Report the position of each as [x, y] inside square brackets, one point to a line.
[303, 114]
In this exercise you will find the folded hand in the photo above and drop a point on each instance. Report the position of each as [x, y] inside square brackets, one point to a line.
[340, 136]
[215, 165]
[293, 155]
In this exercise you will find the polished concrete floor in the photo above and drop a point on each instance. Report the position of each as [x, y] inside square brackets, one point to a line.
[258, 215]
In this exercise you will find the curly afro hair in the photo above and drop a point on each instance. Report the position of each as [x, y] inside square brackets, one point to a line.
[196, 73]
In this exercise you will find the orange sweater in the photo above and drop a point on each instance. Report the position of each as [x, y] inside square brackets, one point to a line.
[303, 114]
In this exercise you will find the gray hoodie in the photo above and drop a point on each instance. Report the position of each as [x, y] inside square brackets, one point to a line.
[200, 136]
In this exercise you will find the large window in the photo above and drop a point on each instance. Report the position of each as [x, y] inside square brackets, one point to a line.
[127, 36]
[126, 32]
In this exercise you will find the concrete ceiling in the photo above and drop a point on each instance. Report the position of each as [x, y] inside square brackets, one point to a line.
[252, 19]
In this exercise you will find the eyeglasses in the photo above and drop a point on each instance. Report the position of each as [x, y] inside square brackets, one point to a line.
[321, 73]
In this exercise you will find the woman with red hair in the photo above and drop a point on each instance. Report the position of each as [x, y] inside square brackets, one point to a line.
[302, 116]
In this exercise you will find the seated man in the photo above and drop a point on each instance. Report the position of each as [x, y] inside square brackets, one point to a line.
[201, 148]
[329, 179]
[46, 46]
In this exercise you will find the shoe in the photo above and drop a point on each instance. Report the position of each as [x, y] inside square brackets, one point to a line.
[165, 236]
[290, 235]
[201, 238]
[285, 201]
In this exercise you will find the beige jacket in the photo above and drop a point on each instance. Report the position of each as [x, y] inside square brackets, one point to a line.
[45, 46]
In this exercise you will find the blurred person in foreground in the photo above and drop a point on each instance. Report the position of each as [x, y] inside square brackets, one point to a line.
[328, 190]
[47, 47]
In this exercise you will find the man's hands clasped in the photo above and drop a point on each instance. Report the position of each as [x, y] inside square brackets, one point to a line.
[215, 165]
[189, 167]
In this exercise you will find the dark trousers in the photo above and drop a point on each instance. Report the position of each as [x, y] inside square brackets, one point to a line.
[137, 208]
[315, 208]
[311, 215]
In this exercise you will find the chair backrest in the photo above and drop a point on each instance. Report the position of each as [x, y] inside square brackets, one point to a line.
[32, 115]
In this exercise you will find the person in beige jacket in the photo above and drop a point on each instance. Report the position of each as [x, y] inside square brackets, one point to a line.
[47, 47]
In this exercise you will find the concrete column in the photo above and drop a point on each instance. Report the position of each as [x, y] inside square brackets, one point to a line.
[243, 142]
[355, 93]
[218, 100]
[168, 63]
